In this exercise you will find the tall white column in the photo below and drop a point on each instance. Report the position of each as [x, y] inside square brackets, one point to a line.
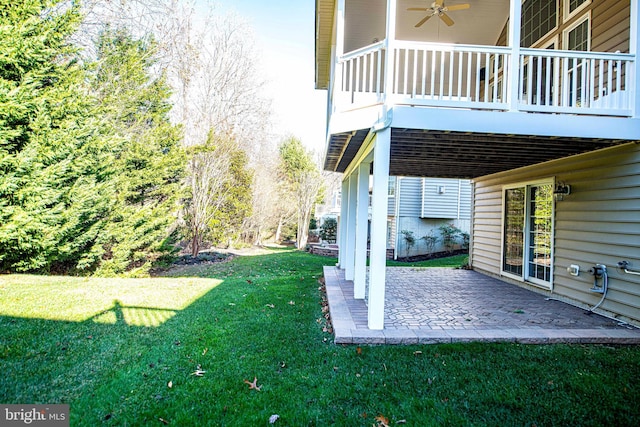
[515, 20]
[350, 243]
[362, 231]
[390, 40]
[342, 223]
[378, 253]
[634, 49]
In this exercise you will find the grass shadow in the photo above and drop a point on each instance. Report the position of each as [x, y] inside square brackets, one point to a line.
[263, 320]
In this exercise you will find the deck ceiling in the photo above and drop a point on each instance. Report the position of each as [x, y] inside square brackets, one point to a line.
[416, 152]
[365, 22]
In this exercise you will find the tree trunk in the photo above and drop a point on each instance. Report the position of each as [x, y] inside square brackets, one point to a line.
[278, 230]
[195, 245]
[258, 240]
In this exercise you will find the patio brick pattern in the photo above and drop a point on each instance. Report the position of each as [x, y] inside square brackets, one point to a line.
[440, 305]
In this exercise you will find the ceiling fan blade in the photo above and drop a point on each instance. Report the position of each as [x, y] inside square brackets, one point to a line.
[445, 18]
[440, 3]
[425, 19]
[421, 9]
[458, 7]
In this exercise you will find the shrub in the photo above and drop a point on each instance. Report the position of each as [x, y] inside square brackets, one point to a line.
[450, 234]
[409, 240]
[430, 241]
[329, 230]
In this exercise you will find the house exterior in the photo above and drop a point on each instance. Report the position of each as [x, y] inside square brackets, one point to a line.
[534, 101]
[423, 205]
[420, 206]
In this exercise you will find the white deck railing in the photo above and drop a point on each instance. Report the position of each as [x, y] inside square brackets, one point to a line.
[575, 82]
[477, 77]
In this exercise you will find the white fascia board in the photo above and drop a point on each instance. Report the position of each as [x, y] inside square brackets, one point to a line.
[514, 123]
[363, 118]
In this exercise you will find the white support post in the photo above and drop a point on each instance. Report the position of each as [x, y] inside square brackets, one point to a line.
[515, 20]
[634, 49]
[378, 253]
[350, 244]
[342, 223]
[362, 231]
[390, 38]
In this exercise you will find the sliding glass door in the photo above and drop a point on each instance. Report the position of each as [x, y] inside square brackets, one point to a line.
[528, 233]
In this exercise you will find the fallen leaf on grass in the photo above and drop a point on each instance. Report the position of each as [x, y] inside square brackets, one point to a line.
[273, 418]
[253, 385]
[417, 353]
[170, 384]
[163, 421]
[292, 303]
[359, 350]
[270, 305]
[198, 372]
[382, 421]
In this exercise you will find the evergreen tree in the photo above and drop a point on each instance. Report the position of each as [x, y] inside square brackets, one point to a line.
[301, 184]
[42, 112]
[219, 198]
[236, 207]
[89, 163]
[148, 162]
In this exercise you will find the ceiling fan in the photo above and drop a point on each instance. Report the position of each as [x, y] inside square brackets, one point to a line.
[438, 8]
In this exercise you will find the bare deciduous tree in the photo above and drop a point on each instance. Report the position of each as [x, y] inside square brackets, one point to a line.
[307, 188]
[207, 178]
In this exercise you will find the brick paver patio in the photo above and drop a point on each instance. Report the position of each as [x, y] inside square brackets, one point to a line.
[439, 305]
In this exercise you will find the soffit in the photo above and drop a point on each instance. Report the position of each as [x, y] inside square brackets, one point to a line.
[481, 24]
[325, 10]
[416, 152]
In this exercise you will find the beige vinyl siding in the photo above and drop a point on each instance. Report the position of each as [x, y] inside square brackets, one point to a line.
[609, 26]
[487, 227]
[598, 223]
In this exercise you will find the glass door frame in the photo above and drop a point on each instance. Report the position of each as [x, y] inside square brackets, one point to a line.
[526, 275]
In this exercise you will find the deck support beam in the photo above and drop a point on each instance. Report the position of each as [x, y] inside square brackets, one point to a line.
[350, 242]
[342, 224]
[362, 231]
[378, 253]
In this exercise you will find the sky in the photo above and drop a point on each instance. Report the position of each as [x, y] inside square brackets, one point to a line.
[284, 31]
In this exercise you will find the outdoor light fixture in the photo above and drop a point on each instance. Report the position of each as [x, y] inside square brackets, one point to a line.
[561, 190]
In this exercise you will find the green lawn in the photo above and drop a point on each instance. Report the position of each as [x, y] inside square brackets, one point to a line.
[452, 261]
[125, 352]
